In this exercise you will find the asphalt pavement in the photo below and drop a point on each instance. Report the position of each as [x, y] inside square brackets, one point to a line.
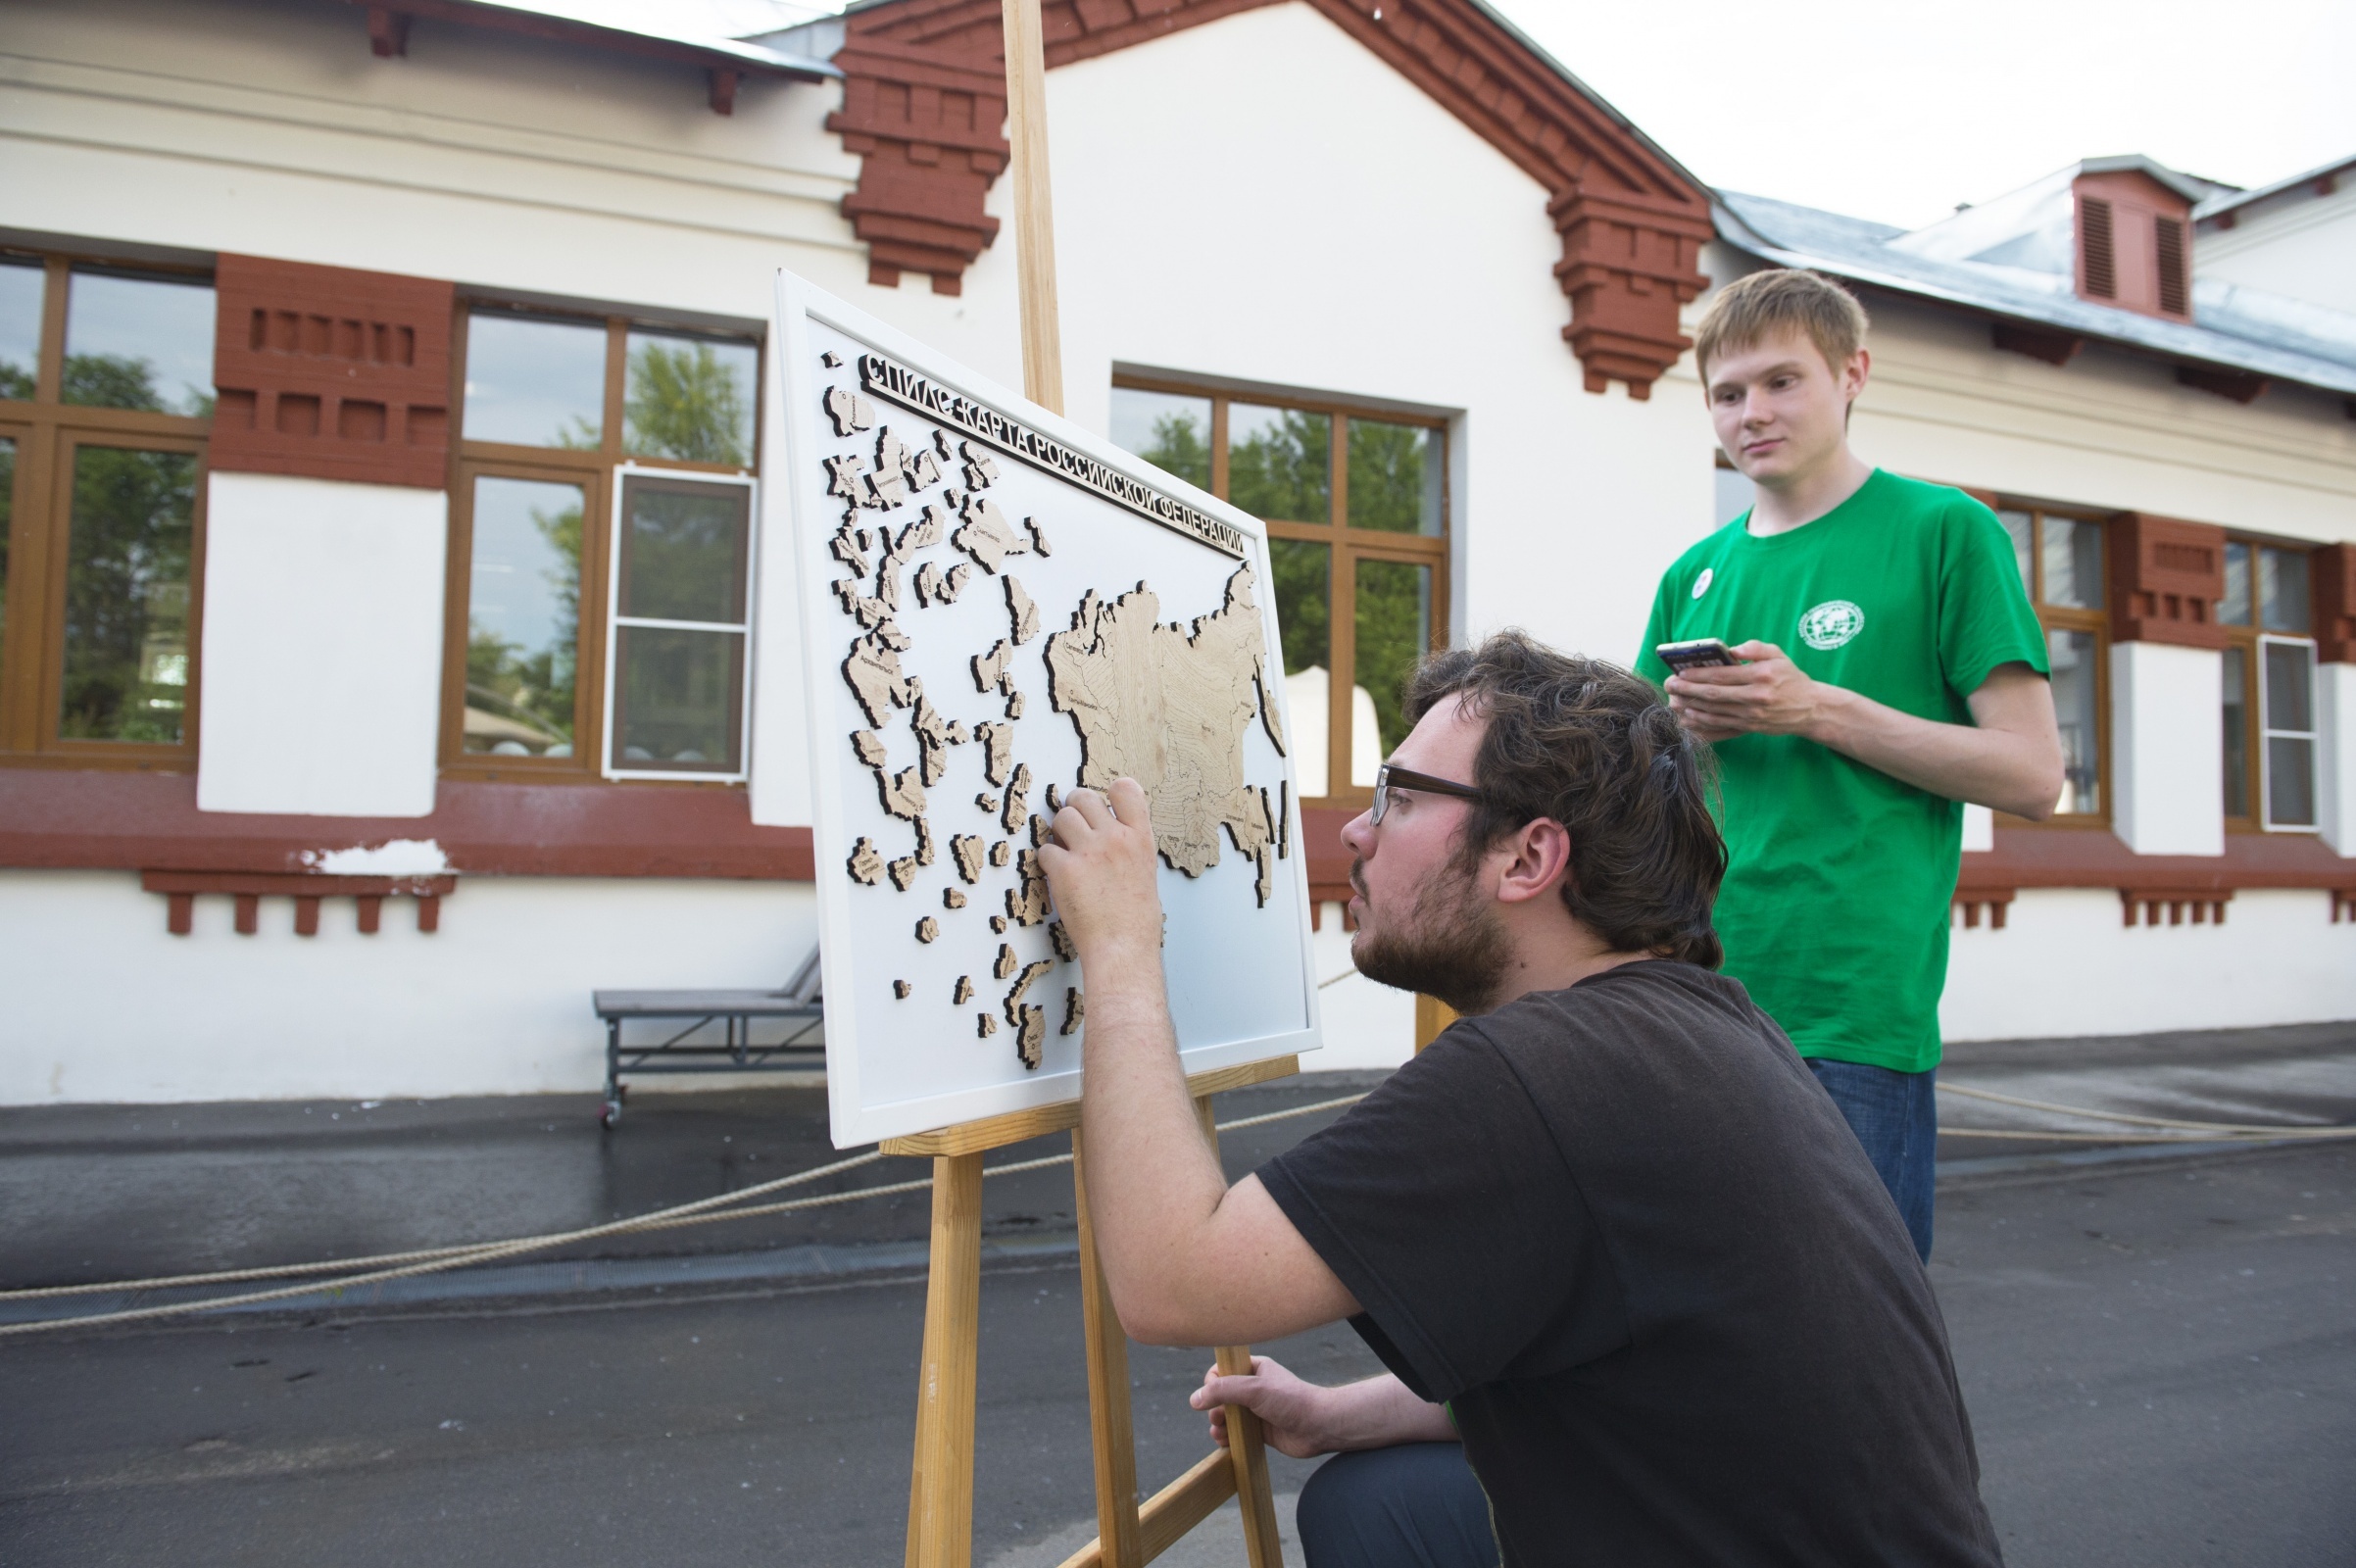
[2158, 1346]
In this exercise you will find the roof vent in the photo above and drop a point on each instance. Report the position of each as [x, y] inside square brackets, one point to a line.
[2135, 241]
[2101, 254]
[2175, 290]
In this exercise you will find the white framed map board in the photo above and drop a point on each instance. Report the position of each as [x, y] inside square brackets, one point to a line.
[997, 606]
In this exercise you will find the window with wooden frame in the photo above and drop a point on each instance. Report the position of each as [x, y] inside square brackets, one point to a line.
[106, 402]
[2061, 559]
[601, 549]
[2268, 713]
[1356, 503]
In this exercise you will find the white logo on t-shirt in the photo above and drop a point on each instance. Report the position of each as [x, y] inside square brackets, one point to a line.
[1701, 584]
[1831, 624]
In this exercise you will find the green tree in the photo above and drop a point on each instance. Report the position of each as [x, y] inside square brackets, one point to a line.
[1387, 475]
[1394, 625]
[112, 381]
[536, 687]
[1305, 601]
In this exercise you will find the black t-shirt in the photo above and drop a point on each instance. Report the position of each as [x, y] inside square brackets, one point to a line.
[1624, 1234]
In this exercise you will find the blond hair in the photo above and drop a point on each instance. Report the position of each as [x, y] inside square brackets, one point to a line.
[1767, 304]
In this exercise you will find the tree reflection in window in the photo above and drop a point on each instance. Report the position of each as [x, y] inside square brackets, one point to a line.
[689, 399]
[1280, 463]
[125, 676]
[1393, 626]
[523, 618]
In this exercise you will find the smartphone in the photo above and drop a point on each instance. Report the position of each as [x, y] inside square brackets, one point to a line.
[1700, 651]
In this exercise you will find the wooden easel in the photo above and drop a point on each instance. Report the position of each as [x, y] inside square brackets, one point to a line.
[940, 1487]
[941, 1490]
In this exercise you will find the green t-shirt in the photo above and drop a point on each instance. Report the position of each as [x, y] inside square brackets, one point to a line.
[1840, 878]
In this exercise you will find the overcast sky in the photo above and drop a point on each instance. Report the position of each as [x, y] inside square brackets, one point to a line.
[1897, 110]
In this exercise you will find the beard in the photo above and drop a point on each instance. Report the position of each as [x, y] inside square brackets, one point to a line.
[1449, 945]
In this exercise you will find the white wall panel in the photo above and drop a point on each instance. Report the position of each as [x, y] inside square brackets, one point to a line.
[2336, 770]
[322, 665]
[2066, 964]
[495, 1002]
[2167, 749]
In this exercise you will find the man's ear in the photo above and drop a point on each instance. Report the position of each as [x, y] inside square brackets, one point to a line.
[1541, 863]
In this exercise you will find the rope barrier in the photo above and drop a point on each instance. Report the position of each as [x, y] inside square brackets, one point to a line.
[430, 1261]
[388, 1266]
[2224, 1128]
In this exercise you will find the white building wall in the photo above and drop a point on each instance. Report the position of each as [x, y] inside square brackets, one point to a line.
[2336, 765]
[2301, 248]
[265, 128]
[1261, 198]
[2066, 964]
[495, 1002]
[321, 659]
[2167, 749]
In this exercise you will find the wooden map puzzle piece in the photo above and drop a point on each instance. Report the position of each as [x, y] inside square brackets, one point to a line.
[930, 589]
[951, 899]
[990, 669]
[1030, 1034]
[868, 748]
[925, 842]
[966, 850]
[850, 412]
[1075, 1009]
[869, 613]
[963, 992]
[1021, 613]
[927, 929]
[1001, 853]
[986, 1027]
[867, 867]
[904, 873]
[900, 989]
[1027, 905]
[873, 673]
[1017, 805]
[986, 535]
[1061, 940]
[902, 793]
[980, 466]
[843, 479]
[1030, 525]
[958, 576]
[1006, 962]
[845, 548]
[998, 750]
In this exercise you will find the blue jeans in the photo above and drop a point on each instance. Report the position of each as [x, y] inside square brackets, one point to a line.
[1895, 1116]
[1416, 1505]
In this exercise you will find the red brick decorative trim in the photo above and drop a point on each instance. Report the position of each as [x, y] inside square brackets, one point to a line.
[331, 373]
[924, 103]
[56, 819]
[2207, 905]
[2165, 578]
[249, 889]
[1996, 903]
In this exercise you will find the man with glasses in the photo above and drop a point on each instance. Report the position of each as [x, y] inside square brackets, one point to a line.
[1642, 1297]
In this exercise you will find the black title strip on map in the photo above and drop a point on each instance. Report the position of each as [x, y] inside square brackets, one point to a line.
[890, 379]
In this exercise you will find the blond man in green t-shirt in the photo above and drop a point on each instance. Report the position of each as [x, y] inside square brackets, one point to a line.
[1891, 668]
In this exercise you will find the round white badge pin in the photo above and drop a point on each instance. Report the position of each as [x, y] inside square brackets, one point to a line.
[1701, 584]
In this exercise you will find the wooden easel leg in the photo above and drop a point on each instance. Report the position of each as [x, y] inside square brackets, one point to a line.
[1247, 1445]
[1114, 1439]
[941, 1485]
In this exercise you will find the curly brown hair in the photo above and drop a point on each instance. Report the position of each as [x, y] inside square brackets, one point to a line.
[1592, 747]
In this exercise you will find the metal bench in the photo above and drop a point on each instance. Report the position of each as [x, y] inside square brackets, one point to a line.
[799, 1003]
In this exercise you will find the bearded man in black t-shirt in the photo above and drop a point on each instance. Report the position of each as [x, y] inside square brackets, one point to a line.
[1641, 1295]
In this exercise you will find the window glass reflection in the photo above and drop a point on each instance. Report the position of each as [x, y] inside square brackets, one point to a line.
[2022, 528]
[126, 596]
[138, 342]
[2289, 782]
[1280, 463]
[2080, 714]
[2282, 596]
[2233, 609]
[683, 551]
[678, 697]
[1396, 473]
[1305, 619]
[2073, 563]
[1394, 625]
[2236, 732]
[689, 399]
[20, 328]
[535, 382]
[1168, 429]
[523, 615]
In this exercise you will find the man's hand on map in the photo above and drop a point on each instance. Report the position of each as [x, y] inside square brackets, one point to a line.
[1100, 865]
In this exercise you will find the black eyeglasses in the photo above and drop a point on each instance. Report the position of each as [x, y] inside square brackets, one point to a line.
[1408, 779]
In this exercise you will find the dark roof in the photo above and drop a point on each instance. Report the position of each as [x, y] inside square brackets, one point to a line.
[2234, 326]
